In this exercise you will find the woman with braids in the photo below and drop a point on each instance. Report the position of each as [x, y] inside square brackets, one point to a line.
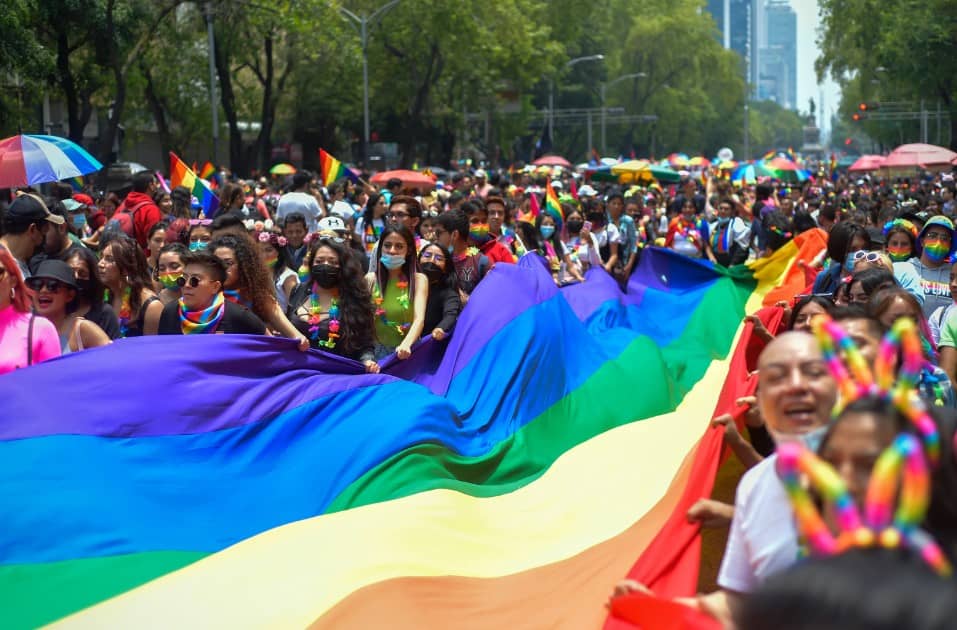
[400, 293]
[122, 269]
[248, 283]
[332, 305]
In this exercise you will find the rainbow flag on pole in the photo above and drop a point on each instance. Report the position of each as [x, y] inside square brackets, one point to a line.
[553, 206]
[208, 171]
[182, 175]
[331, 169]
[234, 481]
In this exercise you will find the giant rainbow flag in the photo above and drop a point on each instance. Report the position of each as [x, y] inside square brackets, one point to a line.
[509, 481]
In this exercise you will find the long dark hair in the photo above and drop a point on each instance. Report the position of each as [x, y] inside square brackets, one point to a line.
[131, 263]
[449, 279]
[369, 210]
[555, 240]
[356, 315]
[255, 281]
[95, 290]
[826, 304]
[411, 265]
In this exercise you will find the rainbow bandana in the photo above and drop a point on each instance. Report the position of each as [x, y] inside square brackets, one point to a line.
[168, 280]
[204, 321]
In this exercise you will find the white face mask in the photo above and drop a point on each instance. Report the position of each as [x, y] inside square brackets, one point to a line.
[812, 439]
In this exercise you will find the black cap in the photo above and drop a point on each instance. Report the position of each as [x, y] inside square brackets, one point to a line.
[56, 270]
[30, 208]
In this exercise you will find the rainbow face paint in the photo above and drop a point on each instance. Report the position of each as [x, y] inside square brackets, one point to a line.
[168, 280]
[271, 261]
[899, 254]
[936, 250]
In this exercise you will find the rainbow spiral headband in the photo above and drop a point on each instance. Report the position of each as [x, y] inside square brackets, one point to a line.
[901, 223]
[898, 387]
[902, 465]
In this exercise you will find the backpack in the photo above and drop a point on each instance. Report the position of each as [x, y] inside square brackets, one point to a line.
[125, 219]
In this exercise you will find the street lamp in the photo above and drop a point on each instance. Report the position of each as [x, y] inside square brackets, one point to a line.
[604, 86]
[362, 24]
[551, 92]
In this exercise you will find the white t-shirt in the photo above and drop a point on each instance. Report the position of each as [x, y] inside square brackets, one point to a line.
[582, 253]
[303, 203]
[608, 234]
[763, 539]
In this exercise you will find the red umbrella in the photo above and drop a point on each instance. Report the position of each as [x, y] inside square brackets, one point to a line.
[782, 164]
[552, 160]
[410, 179]
[919, 155]
[867, 163]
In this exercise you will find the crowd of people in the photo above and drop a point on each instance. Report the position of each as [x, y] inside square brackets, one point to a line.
[364, 273]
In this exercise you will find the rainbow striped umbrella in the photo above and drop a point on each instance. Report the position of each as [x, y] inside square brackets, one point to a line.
[26, 160]
[699, 162]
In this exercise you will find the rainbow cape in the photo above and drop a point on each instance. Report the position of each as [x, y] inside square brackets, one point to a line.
[182, 175]
[331, 169]
[222, 481]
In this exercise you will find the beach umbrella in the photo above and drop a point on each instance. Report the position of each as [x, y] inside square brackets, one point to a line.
[699, 162]
[641, 171]
[409, 179]
[552, 160]
[749, 173]
[867, 163]
[677, 160]
[918, 155]
[283, 169]
[26, 160]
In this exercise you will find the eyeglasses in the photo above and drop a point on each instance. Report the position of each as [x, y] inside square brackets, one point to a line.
[870, 257]
[192, 281]
[434, 257]
[941, 236]
[38, 284]
[398, 215]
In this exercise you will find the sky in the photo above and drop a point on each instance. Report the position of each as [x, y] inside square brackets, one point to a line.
[807, 52]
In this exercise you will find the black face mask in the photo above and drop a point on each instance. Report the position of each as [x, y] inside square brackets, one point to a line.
[84, 286]
[575, 226]
[432, 271]
[325, 275]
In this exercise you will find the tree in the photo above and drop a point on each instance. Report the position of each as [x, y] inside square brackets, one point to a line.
[907, 47]
[24, 65]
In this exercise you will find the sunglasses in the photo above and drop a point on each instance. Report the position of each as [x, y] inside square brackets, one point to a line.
[38, 284]
[192, 281]
[870, 257]
[200, 221]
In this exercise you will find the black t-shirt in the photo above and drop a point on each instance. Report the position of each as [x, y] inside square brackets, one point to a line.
[237, 320]
[102, 315]
[299, 297]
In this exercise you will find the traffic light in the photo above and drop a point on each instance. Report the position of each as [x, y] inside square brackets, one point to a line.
[869, 107]
[848, 142]
[856, 117]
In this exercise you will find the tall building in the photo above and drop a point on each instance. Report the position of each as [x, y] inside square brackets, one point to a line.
[777, 70]
[738, 28]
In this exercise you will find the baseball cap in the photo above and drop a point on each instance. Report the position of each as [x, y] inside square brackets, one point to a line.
[342, 211]
[72, 205]
[481, 174]
[56, 270]
[84, 199]
[333, 223]
[30, 208]
[587, 191]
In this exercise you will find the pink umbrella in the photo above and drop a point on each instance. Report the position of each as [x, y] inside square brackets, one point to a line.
[919, 155]
[867, 163]
[552, 160]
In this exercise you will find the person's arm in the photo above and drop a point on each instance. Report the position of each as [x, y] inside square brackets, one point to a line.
[151, 318]
[710, 514]
[948, 362]
[572, 268]
[450, 313]
[289, 285]
[741, 448]
[92, 335]
[612, 256]
[46, 340]
[282, 325]
[421, 297]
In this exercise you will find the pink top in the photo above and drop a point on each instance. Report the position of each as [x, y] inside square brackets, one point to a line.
[13, 339]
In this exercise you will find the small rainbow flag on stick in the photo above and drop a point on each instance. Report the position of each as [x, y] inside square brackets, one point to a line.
[182, 175]
[331, 169]
[208, 170]
[552, 205]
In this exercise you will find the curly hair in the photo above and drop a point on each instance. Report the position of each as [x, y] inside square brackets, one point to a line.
[356, 315]
[255, 281]
[131, 264]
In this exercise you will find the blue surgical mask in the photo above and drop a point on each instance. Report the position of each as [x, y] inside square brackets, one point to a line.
[812, 439]
[197, 246]
[79, 220]
[392, 262]
[547, 230]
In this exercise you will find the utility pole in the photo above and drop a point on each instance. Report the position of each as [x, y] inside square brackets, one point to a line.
[602, 90]
[211, 43]
[362, 24]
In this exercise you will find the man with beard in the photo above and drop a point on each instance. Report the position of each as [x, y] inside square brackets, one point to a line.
[25, 226]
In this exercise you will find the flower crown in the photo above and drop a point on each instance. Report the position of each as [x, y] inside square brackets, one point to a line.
[253, 225]
[901, 223]
[272, 237]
